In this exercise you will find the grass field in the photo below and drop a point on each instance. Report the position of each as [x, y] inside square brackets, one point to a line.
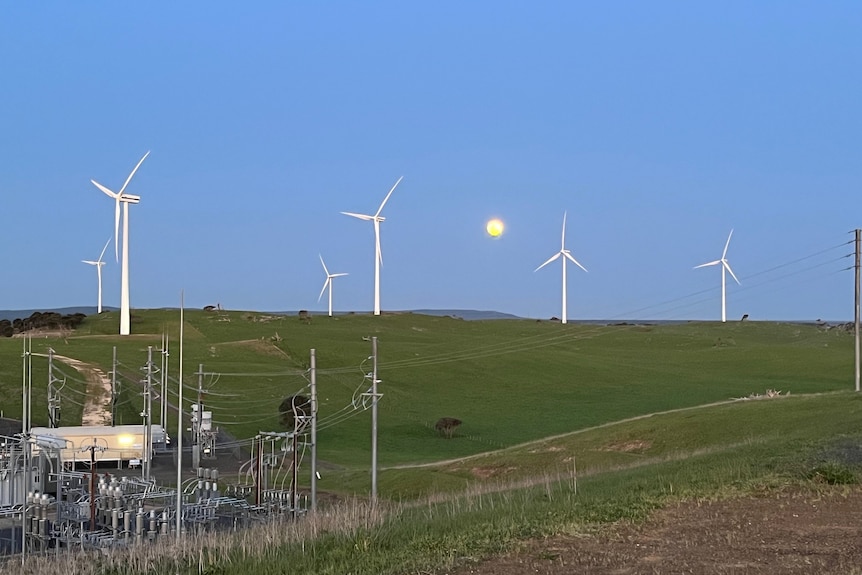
[509, 381]
[715, 452]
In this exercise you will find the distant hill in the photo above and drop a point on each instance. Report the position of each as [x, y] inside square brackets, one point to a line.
[472, 314]
[468, 314]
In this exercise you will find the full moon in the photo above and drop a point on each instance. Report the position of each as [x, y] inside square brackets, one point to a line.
[494, 228]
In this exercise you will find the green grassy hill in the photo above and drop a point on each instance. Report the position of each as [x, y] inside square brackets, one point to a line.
[509, 381]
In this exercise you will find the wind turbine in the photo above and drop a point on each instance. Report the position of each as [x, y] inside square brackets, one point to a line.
[566, 255]
[378, 257]
[724, 267]
[328, 282]
[99, 263]
[125, 199]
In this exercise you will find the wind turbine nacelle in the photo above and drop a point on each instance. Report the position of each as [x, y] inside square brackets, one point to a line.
[130, 199]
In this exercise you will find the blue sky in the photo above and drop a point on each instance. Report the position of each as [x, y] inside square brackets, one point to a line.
[659, 126]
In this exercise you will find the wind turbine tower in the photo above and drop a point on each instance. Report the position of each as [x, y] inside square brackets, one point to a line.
[565, 255]
[725, 267]
[378, 257]
[328, 283]
[125, 199]
[99, 263]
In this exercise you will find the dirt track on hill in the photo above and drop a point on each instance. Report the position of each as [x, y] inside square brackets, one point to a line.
[789, 532]
[97, 406]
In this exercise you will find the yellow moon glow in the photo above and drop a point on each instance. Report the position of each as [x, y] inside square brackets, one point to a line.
[494, 227]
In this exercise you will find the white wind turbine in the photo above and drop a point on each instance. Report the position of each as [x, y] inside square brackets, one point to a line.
[566, 255]
[125, 199]
[378, 257]
[724, 267]
[328, 283]
[99, 263]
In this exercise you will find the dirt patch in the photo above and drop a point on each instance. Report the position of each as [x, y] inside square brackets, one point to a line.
[551, 449]
[489, 472]
[793, 531]
[630, 446]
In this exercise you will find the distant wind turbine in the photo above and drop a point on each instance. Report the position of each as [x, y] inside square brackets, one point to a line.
[378, 257]
[725, 266]
[125, 199]
[565, 255]
[99, 263]
[328, 283]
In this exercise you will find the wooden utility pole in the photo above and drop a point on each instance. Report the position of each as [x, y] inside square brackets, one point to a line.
[856, 314]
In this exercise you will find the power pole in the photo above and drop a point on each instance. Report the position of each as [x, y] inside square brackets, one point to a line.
[197, 418]
[294, 470]
[148, 415]
[53, 393]
[856, 314]
[93, 485]
[313, 365]
[180, 428]
[374, 420]
[24, 427]
[115, 391]
[163, 389]
[25, 447]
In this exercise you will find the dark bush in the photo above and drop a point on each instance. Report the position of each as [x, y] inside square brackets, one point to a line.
[447, 425]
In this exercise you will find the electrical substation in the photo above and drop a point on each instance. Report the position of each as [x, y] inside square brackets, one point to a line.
[96, 486]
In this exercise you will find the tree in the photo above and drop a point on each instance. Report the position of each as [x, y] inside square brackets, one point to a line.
[447, 426]
[293, 410]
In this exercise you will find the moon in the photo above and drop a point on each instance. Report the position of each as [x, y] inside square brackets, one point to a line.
[494, 227]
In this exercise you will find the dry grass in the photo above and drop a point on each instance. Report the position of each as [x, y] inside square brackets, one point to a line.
[199, 552]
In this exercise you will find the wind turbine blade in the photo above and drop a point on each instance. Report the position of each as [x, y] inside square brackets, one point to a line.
[141, 161]
[574, 261]
[91, 262]
[727, 267]
[563, 240]
[104, 189]
[716, 262]
[338, 275]
[552, 258]
[724, 253]
[360, 216]
[103, 249]
[324, 267]
[380, 209]
[326, 283]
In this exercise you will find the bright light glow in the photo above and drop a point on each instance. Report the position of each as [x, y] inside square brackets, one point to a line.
[495, 227]
[125, 439]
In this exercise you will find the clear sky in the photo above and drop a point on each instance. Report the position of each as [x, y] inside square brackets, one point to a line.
[658, 126]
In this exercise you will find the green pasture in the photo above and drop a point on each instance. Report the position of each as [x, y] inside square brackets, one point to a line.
[722, 451]
[809, 444]
[509, 381]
